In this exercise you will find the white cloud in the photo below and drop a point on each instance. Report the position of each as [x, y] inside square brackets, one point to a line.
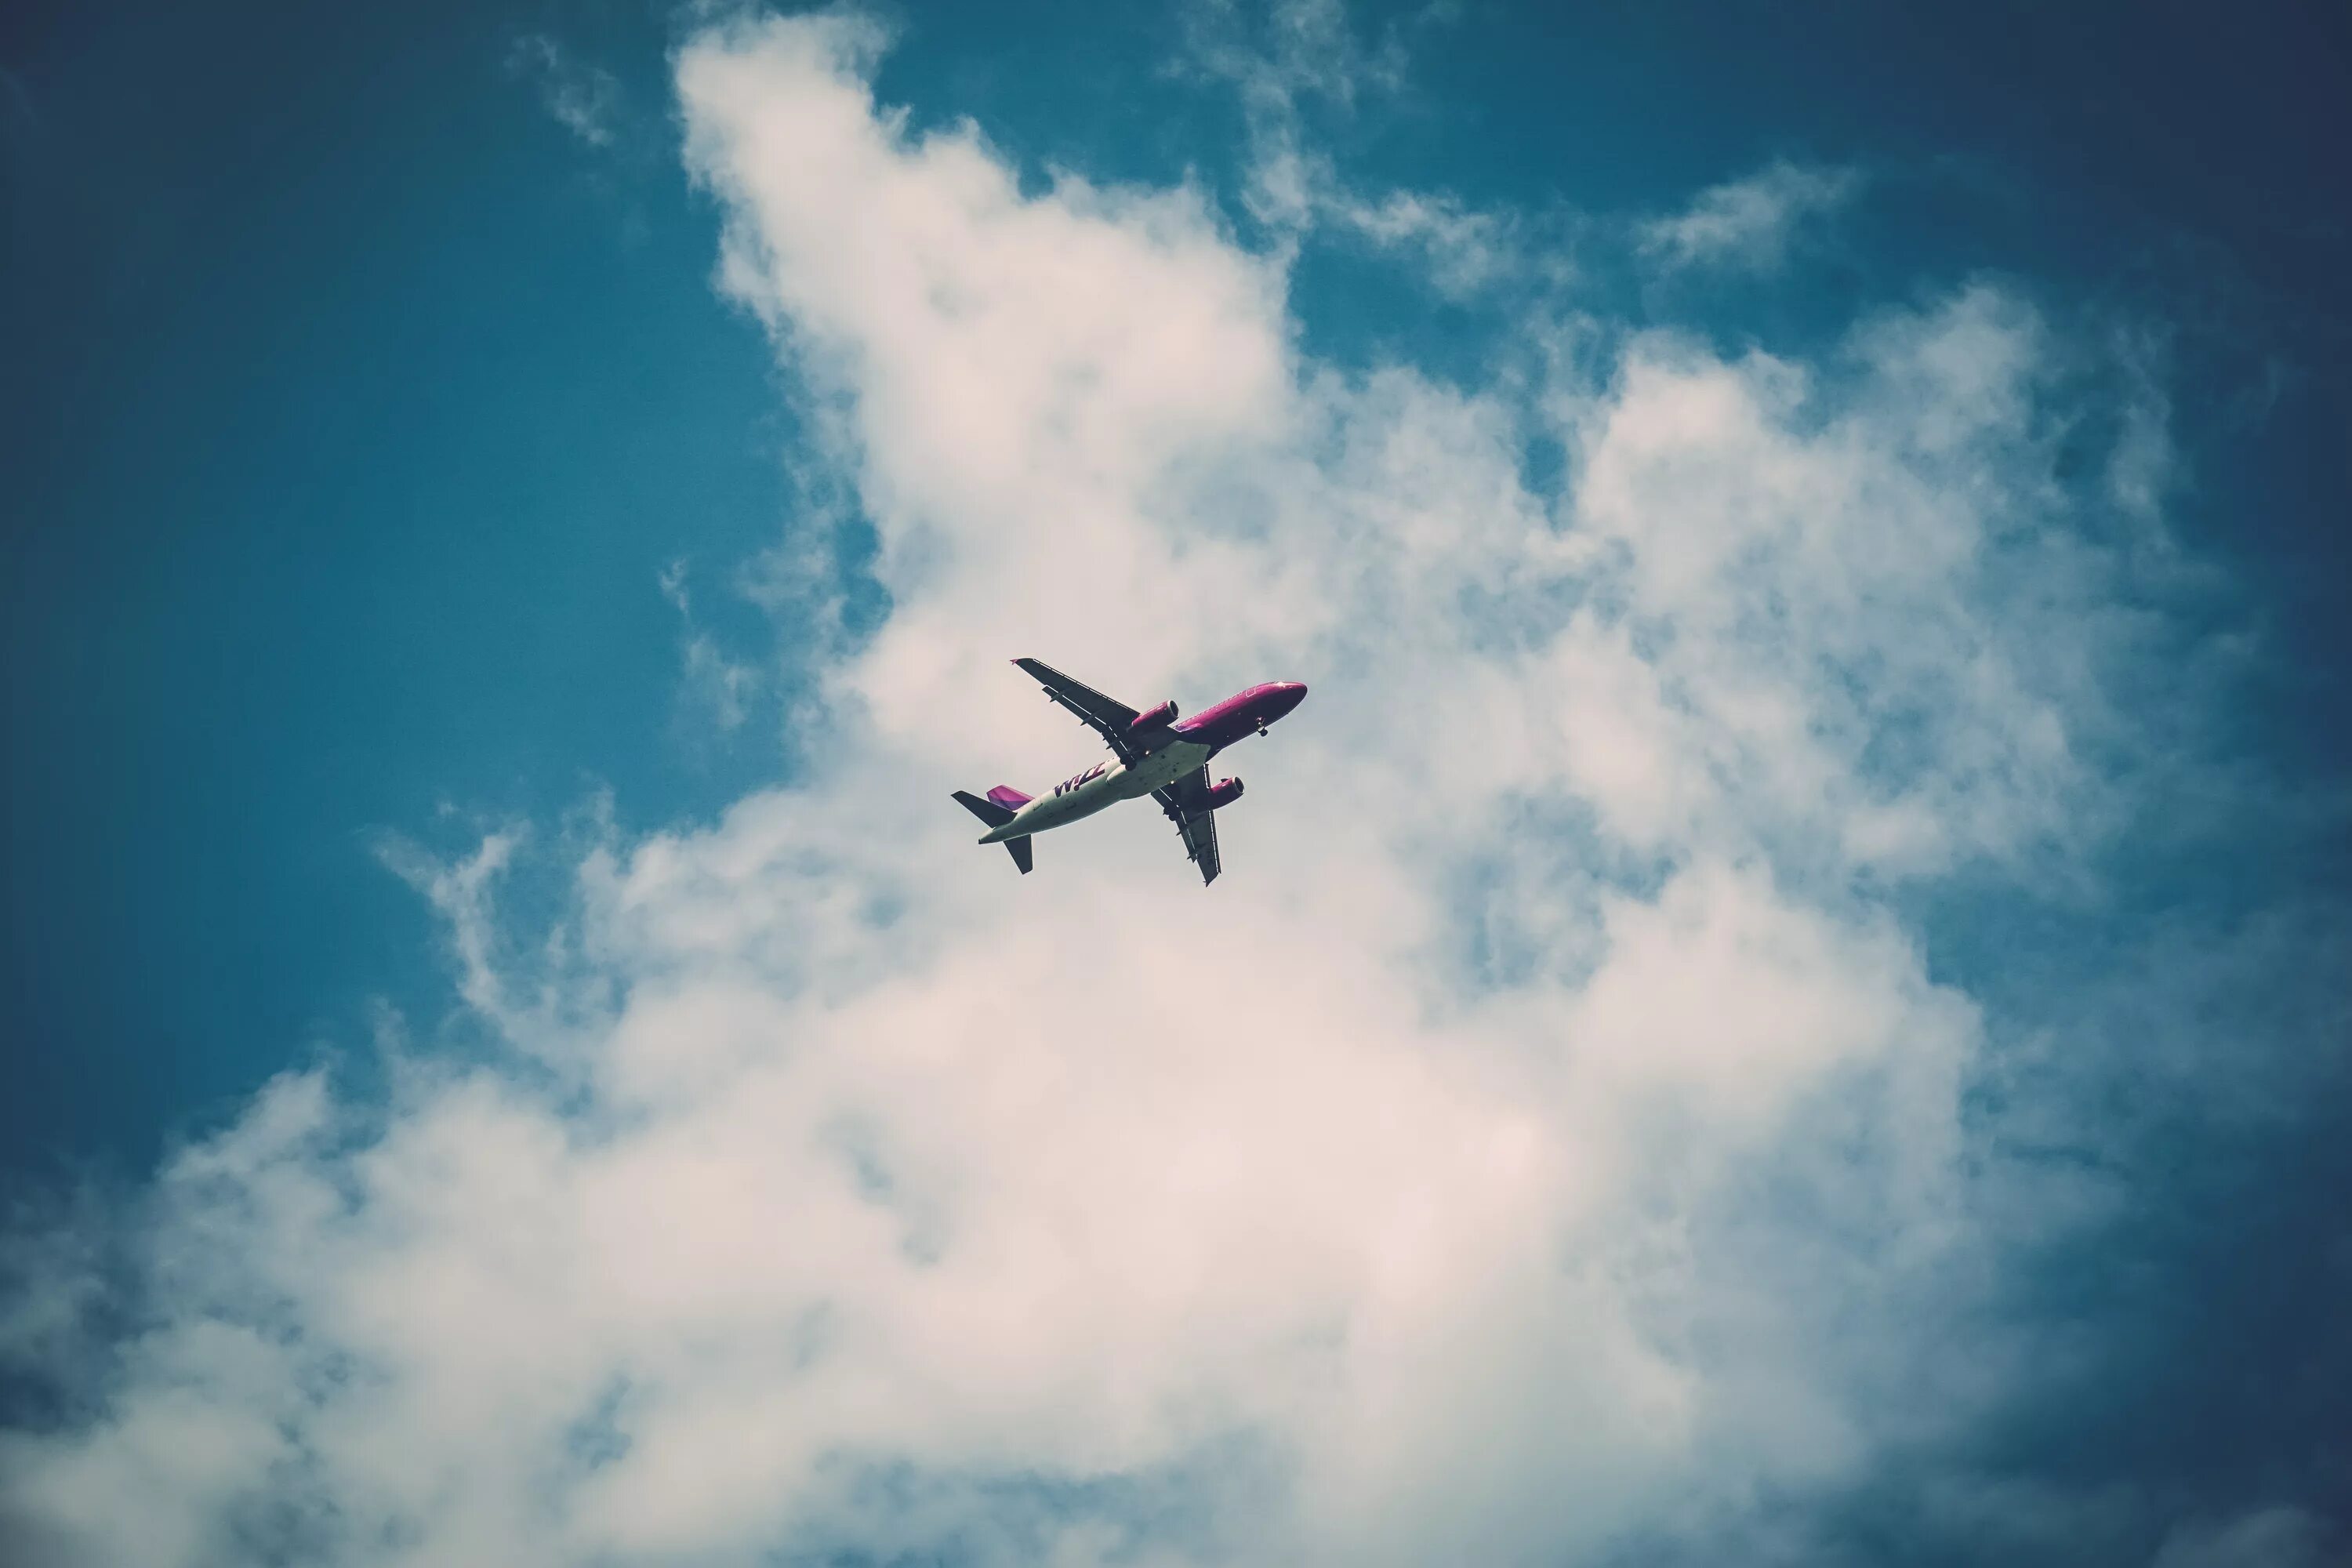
[1750, 221]
[858, 1193]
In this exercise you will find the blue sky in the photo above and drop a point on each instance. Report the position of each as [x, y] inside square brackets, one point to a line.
[512, 516]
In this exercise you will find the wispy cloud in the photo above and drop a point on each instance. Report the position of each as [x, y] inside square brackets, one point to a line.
[1285, 62]
[718, 688]
[1751, 222]
[2265, 1538]
[584, 99]
[1462, 251]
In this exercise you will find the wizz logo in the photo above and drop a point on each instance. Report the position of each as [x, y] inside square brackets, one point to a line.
[1066, 785]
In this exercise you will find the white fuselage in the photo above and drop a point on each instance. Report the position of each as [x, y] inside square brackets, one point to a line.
[1106, 784]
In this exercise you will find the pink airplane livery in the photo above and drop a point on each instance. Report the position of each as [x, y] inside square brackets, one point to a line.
[1154, 753]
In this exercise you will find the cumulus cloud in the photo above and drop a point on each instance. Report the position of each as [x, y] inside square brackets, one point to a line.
[1548, 1128]
[1749, 223]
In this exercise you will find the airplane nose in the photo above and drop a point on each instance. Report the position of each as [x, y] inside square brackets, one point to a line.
[1294, 692]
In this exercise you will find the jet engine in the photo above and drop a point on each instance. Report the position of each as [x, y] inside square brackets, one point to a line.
[1158, 717]
[1227, 792]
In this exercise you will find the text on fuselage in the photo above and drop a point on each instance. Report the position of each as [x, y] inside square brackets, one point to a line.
[1066, 785]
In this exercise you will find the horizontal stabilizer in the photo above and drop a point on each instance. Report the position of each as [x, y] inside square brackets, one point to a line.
[997, 815]
[988, 811]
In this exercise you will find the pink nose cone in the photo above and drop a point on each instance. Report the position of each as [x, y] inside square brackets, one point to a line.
[1291, 693]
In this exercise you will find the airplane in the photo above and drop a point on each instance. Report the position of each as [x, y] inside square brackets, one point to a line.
[1154, 753]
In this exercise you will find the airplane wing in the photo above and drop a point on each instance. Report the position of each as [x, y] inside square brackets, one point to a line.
[1105, 716]
[1186, 802]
